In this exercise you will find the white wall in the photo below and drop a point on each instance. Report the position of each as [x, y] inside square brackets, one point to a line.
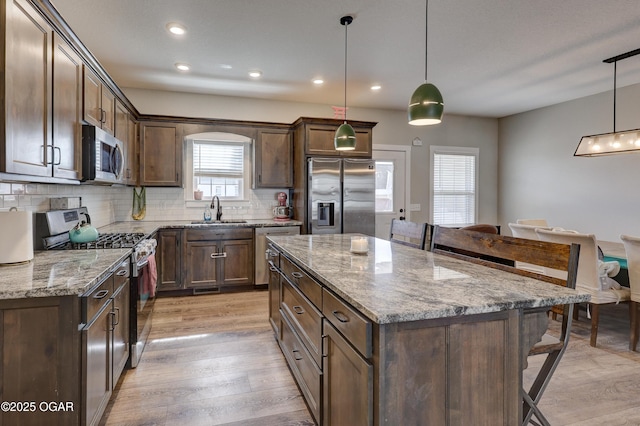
[392, 129]
[540, 177]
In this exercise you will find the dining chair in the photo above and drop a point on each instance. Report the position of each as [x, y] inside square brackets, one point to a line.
[535, 222]
[477, 248]
[632, 249]
[588, 277]
[482, 227]
[410, 234]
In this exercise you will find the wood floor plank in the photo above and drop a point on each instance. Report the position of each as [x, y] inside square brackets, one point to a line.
[213, 360]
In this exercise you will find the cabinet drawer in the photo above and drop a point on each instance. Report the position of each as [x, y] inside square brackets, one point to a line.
[121, 275]
[216, 233]
[353, 326]
[305, 318]
[95, 299]
[307, 374]
[307, 285]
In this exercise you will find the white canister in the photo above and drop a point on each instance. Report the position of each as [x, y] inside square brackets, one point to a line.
[16, 236]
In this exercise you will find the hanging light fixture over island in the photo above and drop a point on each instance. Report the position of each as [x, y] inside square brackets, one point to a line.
[345, 138]
[426, 105]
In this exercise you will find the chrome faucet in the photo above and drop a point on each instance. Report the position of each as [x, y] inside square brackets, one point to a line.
[218, 210]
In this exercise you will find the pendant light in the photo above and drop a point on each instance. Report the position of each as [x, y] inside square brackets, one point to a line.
[426, 105]
[614, 142]
[345, 139]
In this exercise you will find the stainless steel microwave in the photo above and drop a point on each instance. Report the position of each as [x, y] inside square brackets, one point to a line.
[102, 156]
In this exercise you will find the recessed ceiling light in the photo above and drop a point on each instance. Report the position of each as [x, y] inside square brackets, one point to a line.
[318, 81]
[255, 74]
[226, 66]
[176, 29]
[182, 66]
[376, 87]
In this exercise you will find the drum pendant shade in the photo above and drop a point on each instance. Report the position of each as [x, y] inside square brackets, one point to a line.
[426, 105]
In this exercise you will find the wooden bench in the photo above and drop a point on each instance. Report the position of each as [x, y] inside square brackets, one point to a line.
[502, 252]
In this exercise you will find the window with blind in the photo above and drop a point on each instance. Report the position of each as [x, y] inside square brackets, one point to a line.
[219, 168]
[453, 185]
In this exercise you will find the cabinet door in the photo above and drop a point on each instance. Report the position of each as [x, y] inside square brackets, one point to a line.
[348, 383]
[160, 155]
[120, 325]
[238, 263]
[92, 97]
[121, 129]
[169, 260]
[274, 300]
[26, 91]
[96, 357]
[67, 110]
[108, 105]
[202, 263]
[131, 154]
[273, 159]
[39, 348]
[320, 141]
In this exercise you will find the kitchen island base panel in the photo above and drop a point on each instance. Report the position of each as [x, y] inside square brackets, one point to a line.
[461, 370]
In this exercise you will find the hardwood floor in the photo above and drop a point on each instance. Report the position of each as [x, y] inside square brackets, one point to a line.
[213, 360]
[594, 386]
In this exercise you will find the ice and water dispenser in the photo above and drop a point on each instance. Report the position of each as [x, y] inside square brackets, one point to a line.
[325, 214]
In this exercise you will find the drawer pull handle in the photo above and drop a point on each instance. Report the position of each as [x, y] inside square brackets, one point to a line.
[297, 275]
[298, 310]
[295, 351]
[101, 294]
[121, 272]
[218, 255]
[273, 268]
[340, 316]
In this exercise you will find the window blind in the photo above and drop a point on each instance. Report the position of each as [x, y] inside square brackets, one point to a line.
[215, 159]
[454, 189]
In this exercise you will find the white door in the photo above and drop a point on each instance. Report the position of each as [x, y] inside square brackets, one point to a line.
[392, 185]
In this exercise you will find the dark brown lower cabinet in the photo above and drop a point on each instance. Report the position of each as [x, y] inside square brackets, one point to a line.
[218, 258]
[347, 383]
[458, 370]
[169, 259]
[40, 359]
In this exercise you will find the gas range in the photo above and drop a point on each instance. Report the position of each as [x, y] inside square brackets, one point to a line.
[52, 232]
[104, 241]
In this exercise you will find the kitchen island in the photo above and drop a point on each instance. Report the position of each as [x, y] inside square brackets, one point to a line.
[404, 336]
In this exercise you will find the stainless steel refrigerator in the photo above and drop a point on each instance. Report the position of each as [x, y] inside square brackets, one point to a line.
[341, 196]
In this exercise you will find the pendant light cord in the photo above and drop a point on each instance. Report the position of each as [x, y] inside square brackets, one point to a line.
[426, 38]
[615, 64]
[346, 24]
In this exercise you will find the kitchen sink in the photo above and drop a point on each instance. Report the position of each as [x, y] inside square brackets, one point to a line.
[217, 222]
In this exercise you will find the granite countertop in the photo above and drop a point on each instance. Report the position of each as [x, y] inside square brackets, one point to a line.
[394, 283]
[148, 227]
[73, 272]
[59, 273]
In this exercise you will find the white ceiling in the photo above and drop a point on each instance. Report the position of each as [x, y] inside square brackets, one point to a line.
[489, 58]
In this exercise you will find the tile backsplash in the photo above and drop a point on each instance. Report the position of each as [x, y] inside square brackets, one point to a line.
[108, 204]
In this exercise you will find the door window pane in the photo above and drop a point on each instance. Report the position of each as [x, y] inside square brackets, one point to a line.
[384, 186]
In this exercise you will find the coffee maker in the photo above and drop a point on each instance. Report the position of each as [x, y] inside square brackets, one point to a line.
[282, 212]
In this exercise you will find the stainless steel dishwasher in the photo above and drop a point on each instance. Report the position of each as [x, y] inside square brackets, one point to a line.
[262, 264]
